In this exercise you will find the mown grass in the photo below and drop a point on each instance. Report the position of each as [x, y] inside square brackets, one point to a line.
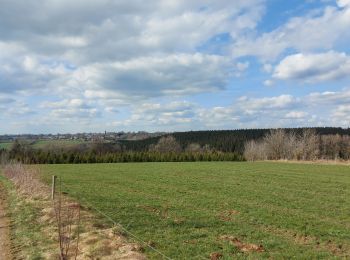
[293, 210]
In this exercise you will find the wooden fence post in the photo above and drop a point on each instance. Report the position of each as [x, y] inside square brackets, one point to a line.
[53, 188]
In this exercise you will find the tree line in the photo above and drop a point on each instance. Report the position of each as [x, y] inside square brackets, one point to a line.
[235, 145]
[305, 145]
[226, 140]
[166, 149]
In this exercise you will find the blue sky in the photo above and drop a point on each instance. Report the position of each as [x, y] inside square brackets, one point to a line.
[166, 65]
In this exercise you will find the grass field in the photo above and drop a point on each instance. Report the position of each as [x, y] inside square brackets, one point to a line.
[6, 145]
[44, 143]
[57, 143]
[191, 210]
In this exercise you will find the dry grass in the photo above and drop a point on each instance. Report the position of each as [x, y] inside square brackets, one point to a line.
[26, 181]
[96, 241]
[323, 162]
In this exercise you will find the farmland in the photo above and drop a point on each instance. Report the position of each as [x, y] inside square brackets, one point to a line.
[5, 145]
[194, 209]
[57, 143]
[40, 144]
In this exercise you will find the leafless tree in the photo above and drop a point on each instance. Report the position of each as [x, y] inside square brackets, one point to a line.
[275, 144]
[279, 144]
[334, 147]
[166, 144]
[309, 143]
[194, 148]
[255, 150]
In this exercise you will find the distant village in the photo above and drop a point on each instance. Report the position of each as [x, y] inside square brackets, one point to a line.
[86, 137]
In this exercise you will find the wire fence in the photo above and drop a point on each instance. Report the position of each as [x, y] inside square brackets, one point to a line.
[67, 211]
[110, 219]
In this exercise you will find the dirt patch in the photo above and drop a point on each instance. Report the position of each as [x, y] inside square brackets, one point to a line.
[341, 250]
[227, 215]
[216, 256]
[243, 247]
[5, 252]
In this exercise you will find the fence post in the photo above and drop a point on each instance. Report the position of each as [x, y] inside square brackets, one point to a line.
[53, 187]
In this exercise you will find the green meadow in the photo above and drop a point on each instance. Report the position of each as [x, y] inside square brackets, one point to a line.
[5, 145]
[40, 144]
[56, 143]
[234, 210]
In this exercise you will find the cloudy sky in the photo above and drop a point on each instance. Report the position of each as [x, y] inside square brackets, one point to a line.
[173, 65]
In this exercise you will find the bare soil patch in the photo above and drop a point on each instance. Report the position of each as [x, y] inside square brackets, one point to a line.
[341, 250]
[243, 247]
[216, 256]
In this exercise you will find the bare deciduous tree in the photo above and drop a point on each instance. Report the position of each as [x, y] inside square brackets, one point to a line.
[309, 142]
[194, 148]
[276, 144]
[279, 144]
[166, 144]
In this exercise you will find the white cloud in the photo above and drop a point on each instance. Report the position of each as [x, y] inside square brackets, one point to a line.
[315, 31]
[182, 115]
[105, 60]
[277, 102]
[343, 3]
[11, 108]
[119, 48]
[317, 109]
[66, 103]
[296, 114]
[268, 83]
[177, 114]
[341, 115]
[268, 68]
[329, 97]
[313, 67]
[70, 109]
[146, 77]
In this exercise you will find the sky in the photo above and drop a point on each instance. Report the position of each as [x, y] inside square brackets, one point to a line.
[173, 65]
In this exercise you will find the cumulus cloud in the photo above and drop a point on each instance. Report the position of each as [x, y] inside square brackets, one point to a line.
[316, 31]
[179, 115]
[343, 111]
[329, 97]
[277, 102]
[11, 108]
[341, 115]
[120, 50]
[27, 73]
[296, 114]
[313, 67]
[317, 109]
[71, 109]
[176, 74]
[343, 3]
[133, 63]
